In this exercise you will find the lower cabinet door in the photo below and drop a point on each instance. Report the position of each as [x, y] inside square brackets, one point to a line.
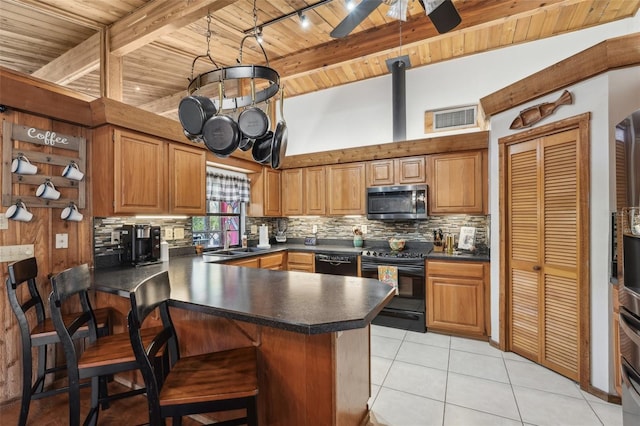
[455, 305]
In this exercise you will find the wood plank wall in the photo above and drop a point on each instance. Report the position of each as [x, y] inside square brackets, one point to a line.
[41, 232]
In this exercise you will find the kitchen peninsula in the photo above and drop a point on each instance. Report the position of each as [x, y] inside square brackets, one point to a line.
[311, 331]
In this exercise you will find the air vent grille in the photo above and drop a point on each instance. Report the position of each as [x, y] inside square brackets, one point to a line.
[455, 118]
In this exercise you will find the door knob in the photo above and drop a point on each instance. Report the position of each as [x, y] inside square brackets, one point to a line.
[537, 268]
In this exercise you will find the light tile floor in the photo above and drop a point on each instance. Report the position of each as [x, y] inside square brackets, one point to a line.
[431, 379]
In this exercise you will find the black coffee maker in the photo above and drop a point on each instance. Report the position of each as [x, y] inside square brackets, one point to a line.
[140, 244]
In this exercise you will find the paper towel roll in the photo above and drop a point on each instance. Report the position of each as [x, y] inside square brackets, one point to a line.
[164, 251]
[264, 237]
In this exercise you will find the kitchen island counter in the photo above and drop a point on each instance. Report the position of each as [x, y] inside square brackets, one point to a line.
[311, 331]
[294, 301]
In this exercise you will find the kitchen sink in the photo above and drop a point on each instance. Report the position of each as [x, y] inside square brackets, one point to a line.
[245, 250]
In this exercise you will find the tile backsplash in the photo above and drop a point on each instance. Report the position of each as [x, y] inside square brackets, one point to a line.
[341, 227]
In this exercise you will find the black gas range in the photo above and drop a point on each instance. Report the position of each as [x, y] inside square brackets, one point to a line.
[407, 309]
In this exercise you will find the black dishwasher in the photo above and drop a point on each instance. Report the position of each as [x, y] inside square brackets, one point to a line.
[337, 264]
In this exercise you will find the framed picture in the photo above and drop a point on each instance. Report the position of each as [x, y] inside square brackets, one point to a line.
[467, 238]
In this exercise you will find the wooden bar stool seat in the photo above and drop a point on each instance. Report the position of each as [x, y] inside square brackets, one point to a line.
[177, 387]
[41, 334]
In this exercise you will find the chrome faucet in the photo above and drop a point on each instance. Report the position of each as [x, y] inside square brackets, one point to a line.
[226, 236]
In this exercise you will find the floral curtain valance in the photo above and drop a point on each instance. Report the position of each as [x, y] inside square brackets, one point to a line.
[227, 188]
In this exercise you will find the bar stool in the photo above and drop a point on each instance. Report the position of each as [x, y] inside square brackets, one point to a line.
[42, 334]
[177, 387]
[102, 357]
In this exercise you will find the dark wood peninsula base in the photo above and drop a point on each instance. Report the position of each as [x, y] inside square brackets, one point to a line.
[311, 331]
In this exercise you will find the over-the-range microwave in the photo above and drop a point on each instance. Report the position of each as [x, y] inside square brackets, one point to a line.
[397, 202]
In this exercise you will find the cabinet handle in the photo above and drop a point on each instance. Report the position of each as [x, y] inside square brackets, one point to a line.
[537, 268]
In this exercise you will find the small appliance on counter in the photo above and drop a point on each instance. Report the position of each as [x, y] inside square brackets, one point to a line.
[281, 233]
[140, 244]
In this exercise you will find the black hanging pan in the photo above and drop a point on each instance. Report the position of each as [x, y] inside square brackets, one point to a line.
[253, 121]
[220, 133]
[194, 111]
[280, 137]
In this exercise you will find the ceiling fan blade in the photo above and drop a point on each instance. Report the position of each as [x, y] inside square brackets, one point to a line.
[443, 14]
[354, 18]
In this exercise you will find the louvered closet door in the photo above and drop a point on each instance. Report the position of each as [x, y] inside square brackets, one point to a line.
[544, 251]
[524, 247]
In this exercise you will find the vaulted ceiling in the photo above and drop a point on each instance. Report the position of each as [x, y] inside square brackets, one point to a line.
[151, 45]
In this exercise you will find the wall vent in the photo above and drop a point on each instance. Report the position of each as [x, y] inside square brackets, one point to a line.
[451, 118]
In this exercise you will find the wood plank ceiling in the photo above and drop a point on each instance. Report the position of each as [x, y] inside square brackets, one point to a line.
[59, 40]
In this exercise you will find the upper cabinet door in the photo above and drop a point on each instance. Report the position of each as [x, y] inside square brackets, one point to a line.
[346, 186]
[315, 191]
[411, 170]
[139, 174]
[398, 171]
[457, 183]
[292, 199]
[380, 173]
[187, 179]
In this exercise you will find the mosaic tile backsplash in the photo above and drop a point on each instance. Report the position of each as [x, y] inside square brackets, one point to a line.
[298, 227]
[342, 227]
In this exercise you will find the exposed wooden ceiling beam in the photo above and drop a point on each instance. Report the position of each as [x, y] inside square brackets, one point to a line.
[385, 38]
[158, 18]
[74, 63]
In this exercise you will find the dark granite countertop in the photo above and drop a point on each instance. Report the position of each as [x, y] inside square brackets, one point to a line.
[337, 248]
[295, 301]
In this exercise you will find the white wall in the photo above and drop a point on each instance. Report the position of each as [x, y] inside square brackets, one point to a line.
[359, 114]
[622, 88]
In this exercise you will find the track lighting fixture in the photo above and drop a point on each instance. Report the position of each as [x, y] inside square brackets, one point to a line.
[304, 22]
[259, 37]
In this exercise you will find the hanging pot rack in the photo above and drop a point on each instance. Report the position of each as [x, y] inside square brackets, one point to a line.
[220, 75]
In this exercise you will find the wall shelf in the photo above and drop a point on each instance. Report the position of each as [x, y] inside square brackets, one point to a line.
[74, 145]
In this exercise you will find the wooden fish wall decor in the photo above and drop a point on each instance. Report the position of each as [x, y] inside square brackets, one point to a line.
[532, 115]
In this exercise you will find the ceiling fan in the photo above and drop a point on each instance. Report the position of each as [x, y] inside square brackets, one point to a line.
[442, 13]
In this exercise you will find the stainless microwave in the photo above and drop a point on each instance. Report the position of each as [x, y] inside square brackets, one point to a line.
[397, 202]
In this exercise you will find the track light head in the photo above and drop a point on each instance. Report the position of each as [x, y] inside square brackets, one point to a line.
[304, 21]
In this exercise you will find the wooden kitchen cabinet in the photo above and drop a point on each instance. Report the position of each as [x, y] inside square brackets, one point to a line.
[265, 194]
[129, 173]
[457, 299]
[346, 189]
[134, 173]
[292, 190]
[397, 171]
[299, 261]
[273, 261]
[187, 179]
[458, 182]
[251, 262]
[315, 191]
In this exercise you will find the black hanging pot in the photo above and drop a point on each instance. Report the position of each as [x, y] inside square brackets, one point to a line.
[261, 151]
[279, 145]
[194, 111]
[253, 121]
[245, 143]
[220, 133]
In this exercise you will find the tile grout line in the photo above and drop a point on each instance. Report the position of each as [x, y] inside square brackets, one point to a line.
[504, 362]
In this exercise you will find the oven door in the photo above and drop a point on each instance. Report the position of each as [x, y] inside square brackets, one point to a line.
[406, 310]
[630, 366]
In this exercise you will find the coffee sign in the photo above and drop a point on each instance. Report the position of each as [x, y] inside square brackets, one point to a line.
[46, 137]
